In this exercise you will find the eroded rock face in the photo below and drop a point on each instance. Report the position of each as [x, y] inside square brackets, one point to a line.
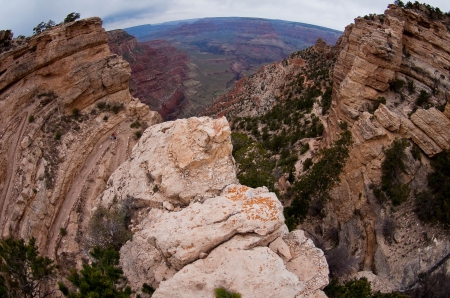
[177, 161]
[203, 230]
[55, 148]
[376, 55]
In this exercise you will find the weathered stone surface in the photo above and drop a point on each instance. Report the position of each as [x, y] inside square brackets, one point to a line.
[229, 235]
[368, 128]
[183, 235]
[308, 263]
[47, 184]
[389, 120]
[177, 161]
[252, 273]
[435, 124]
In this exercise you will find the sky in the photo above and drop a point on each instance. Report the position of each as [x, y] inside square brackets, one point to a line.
[21, 16]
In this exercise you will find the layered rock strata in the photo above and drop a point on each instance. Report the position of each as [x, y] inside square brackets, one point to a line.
[396, 57]
[203, 230]
[62, 94]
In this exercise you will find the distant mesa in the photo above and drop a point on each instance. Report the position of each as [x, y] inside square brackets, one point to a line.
[179, 67]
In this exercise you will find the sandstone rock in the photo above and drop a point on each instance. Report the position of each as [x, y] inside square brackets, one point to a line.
[251, 273]
[50, 75]
[280, 247]
[435, 124]
[168, 206]
[308, 263]
[388, 119]
[368, 128]
[179, 161]
[182, 236]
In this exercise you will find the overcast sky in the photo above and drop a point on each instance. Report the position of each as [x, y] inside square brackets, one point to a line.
[23, 15]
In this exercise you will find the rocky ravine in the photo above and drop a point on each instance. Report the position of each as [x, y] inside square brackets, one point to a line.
[373, 56]
[55, 151]
[205, 230]
[407, 45]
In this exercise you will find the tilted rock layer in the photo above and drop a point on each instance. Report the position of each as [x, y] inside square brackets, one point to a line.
[55, 150]
[202, 229]
[376, 54]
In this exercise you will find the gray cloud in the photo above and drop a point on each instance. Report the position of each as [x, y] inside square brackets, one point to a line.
[22, 15]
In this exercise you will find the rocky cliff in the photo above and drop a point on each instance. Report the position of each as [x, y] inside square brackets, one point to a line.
[69, 147]
[390, 81]
[198, 228]
[62, 94]
[161, 74]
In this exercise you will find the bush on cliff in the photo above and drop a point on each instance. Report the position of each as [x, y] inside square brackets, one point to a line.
[321, 178]
[101, 279]
[356, 289]
[23, 272]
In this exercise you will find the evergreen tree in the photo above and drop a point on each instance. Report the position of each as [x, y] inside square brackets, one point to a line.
[98, 280]
[23, 272]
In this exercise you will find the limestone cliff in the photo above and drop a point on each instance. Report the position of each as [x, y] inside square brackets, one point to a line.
[62, 94]
[393, 58]
[199, 229]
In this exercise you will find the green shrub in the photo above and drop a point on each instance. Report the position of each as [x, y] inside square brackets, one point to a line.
[135, 124]
[307, 164]
[411, 87]
[138, 134]
[376, 104]
[24, 273]
[108, 227]
[356, 289]
[71, 17]
[99, 279]
[223, 293]
[116, 108]
[391, 168]
[63, 231]
[422, 99]
[76, 112]
[58, 135]
[326, 100]
[397, 85]
[253, 162]
[291, 223]
[321, 178]
[437, 207]
[102, 106]
[31, 118]
[416, 152]
[147, 289]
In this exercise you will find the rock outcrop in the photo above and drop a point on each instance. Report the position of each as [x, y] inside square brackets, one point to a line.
[62, 94]
[201, 229]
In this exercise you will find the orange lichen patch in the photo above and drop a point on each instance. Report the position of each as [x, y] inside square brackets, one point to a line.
[237, 193]
[261, 208]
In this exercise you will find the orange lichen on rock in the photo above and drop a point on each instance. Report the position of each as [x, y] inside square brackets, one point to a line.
[261, 208]
[237, 192]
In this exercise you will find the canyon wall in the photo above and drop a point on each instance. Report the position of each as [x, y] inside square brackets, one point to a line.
[62, 94]
[390, 81]
[161, 74]
[389, 61]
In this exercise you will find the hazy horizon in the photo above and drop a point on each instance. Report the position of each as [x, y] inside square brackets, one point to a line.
[21, 16]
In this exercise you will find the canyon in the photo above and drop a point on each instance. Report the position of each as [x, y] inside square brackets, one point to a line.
[75, 138]
[178, 68]
[382, 67]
